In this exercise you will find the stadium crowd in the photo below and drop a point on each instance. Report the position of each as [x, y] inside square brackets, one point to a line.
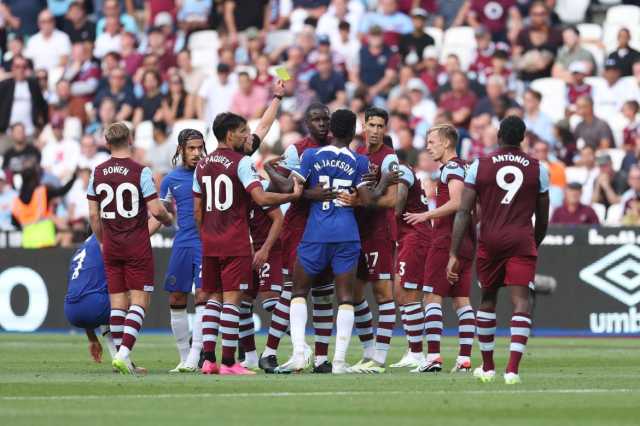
[71, 68]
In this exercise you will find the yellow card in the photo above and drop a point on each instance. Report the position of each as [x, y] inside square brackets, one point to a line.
[283, 73]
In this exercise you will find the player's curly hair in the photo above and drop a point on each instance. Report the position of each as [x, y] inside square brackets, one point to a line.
[512, 130]
[343, 124]
[185, 136]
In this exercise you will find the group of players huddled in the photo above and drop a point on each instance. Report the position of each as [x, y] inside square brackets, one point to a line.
[356, 217]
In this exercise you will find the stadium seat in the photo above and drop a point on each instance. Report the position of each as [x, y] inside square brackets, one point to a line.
[277, 39]
[437, 35]
[206, 39]
[598, 54]
[601, 211]
[143, 136]
[272, 136]
[460, 41]
[572, 11]
[617, 124]
[72, 128]
[614, 214]
[626, 14]
[590, 31]
[576, 174]
[205, 59]
[554, 98]
[609, 2]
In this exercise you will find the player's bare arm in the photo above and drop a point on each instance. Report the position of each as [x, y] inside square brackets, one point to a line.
[197, 212]
[403, 192]
[269, 116]
[263, 198]
[95, 348]
[368, 197]
[284, 184]
[460, 226]
[261, 256]
[158, 210]
[542, 217]
[456, 188]
[94, 219]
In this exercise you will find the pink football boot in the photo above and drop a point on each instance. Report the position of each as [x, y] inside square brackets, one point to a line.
[235, 370]
[210, 368]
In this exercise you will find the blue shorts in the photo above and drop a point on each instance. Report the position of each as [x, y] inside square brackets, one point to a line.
[91, 311]
[184, 270]
[316, 257]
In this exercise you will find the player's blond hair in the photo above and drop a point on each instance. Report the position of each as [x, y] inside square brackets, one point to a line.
[445, 131]
[117, 134]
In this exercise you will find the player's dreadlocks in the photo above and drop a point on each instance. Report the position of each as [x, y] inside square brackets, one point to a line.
[185, 136]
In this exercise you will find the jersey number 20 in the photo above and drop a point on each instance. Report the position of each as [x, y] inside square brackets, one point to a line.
[512, 187]
[119, 197]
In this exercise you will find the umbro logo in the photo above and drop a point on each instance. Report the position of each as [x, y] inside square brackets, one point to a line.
[617, 274]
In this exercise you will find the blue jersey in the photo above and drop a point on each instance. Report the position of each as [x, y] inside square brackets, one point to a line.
[177, 186]
[338, 168]
[86, 272]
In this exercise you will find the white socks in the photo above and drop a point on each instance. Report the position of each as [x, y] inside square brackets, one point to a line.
[180, 329]
[108, 340]
[298, 323]
[196, 338]
[344, 327]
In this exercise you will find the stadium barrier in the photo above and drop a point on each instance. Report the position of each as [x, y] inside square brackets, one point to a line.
[588, 283]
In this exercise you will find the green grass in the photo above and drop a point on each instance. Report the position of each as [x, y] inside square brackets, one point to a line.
[49, 379]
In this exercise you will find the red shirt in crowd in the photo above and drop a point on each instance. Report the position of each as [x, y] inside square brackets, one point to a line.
[583, 215]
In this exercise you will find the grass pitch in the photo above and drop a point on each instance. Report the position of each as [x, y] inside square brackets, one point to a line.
[48, 379]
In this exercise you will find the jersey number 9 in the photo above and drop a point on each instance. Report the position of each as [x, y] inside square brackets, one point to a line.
[512, 187]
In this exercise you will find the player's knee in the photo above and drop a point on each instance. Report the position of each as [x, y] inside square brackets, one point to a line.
[383, 291]
[178, 299]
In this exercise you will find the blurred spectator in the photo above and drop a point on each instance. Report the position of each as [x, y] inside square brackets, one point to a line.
[576, 86]
[377, 65]
[215, 94]
[49, 48]
[328, 84]
[20, 152]
[609, 184]
[7, 197]
[90, 157]
[573, 212]
[571, 52]
[633, 180]
[412, 44]
[131, 58]
[631, 131]
[405, 146]
[493, 15]
[83, 74]
[78, 208]
[23, 15]
[21, 101]
[177, 104]
[148, 106]
[557, 174]
[193, 14]
[537, 121]
[496, 102]
[60, 156]
[587, 162]
[240, 15]
[624, 55]
[392, 22]
[158, 47]
[608, 98]
[159, 154]
[592, 130]
[42, 77]
[107, 115]
[460, 101]
[348, 11]
[451, 13]
[111, 8]
[631, 213]
[536, 45]
[346, 46]
[15, 46]
[118, 91]
[155, 8]
[76, 24]
[109, 40]
[192, 77]
[248, 100]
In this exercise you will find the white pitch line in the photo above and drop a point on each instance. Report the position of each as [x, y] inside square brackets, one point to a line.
[305, 394]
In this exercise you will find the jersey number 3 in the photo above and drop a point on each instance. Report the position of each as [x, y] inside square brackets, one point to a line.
[512, 187]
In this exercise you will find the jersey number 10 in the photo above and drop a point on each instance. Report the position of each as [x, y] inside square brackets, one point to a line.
[214, 193]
